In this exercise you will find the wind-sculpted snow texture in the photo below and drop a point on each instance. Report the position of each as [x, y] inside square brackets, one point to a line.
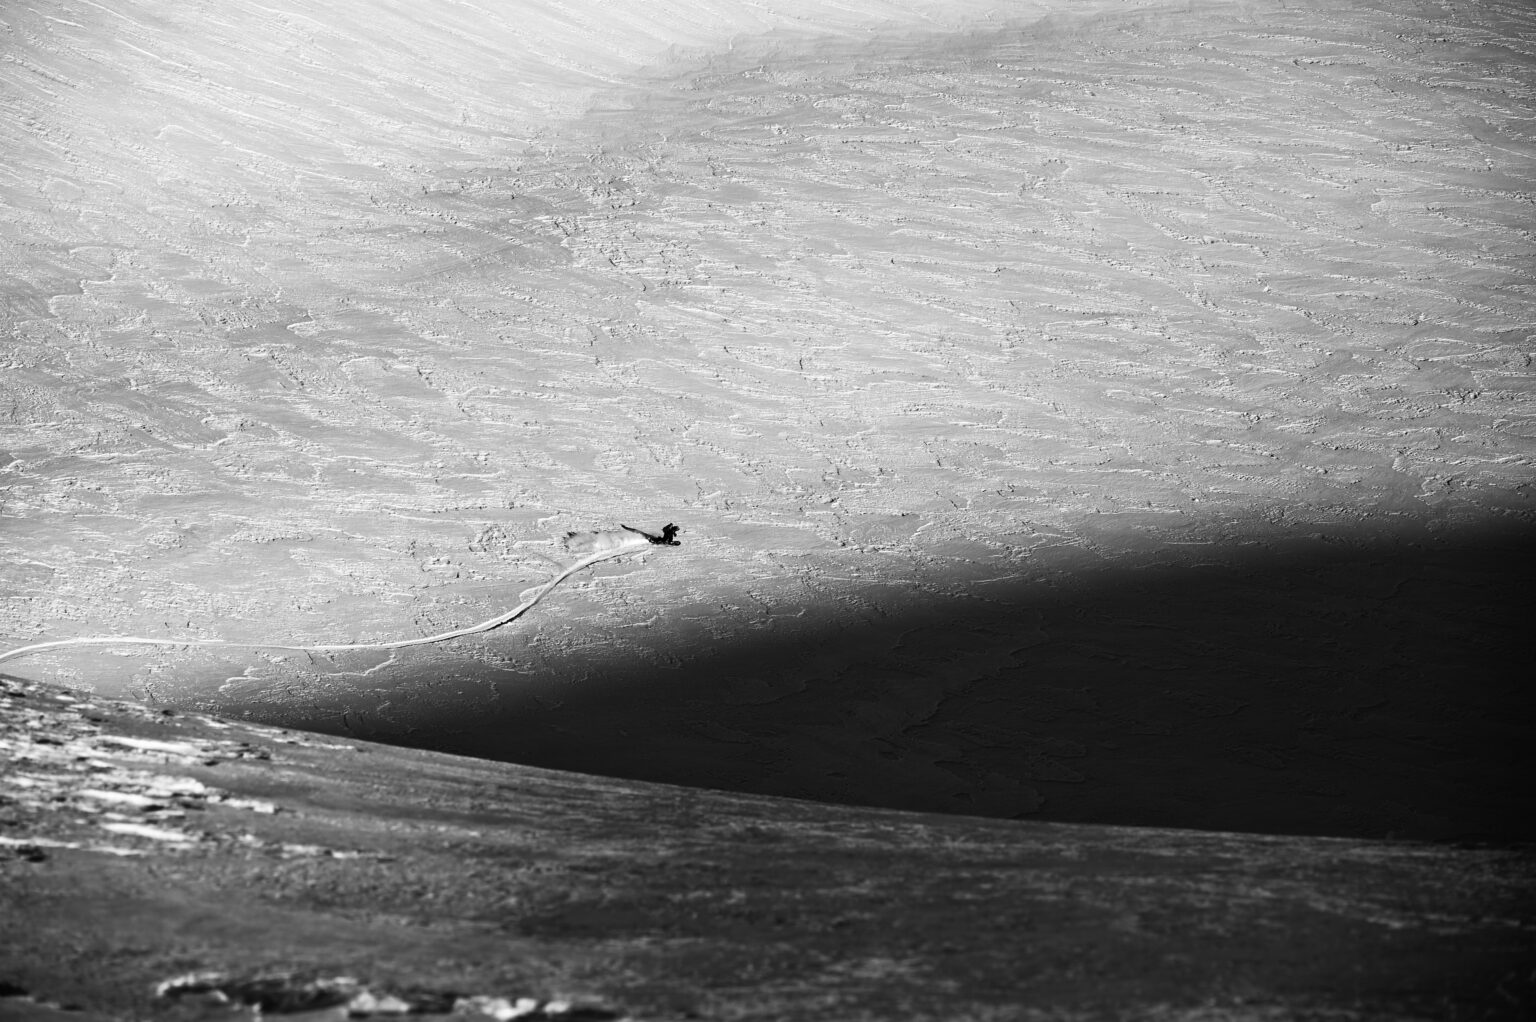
[923, 320]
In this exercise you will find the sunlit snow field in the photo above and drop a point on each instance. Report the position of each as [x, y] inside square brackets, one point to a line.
[1114, 411]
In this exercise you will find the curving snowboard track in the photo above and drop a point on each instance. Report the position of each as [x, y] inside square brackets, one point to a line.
[632, 546]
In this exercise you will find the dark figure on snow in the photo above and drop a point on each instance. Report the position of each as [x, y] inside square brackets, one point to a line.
[667, 537]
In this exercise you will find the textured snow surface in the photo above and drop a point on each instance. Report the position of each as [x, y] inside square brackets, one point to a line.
[323, 320]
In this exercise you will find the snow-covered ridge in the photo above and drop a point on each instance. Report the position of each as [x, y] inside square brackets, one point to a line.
[329, 74]
[176, 106]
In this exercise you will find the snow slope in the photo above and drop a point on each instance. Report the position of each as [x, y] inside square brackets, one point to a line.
[322, 319]
[203, 869]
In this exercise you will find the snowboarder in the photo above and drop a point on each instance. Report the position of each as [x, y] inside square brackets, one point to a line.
[668, 532]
